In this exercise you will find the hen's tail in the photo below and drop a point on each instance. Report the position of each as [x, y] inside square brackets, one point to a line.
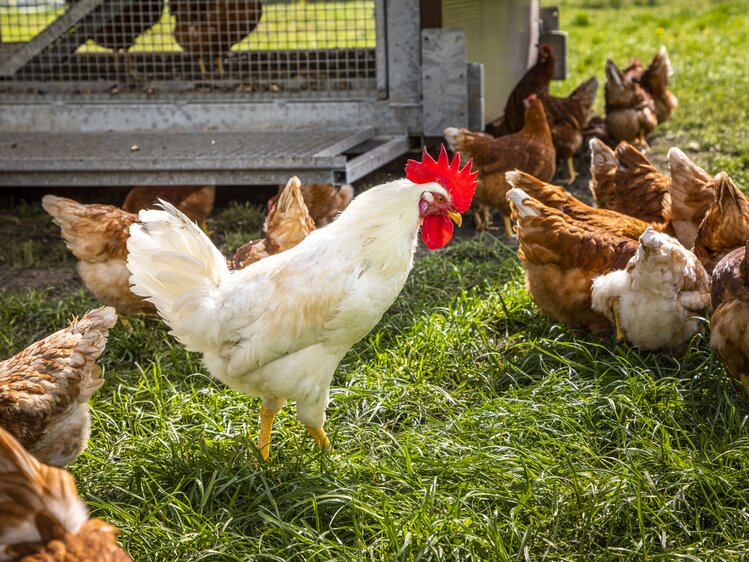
[175, 266]
[91, 232]
[586, 93]
[602, 173]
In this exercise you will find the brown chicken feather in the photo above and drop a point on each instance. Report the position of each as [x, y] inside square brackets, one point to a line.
[323, 200]
[45, 389]
[287, 224]
[567, 119]
[729, 334]
[42, 519]
[655, 79]
[211, 27]
[630, 110]
[692, 190]
[642, 191]
[195, 202]
[97, 235]
[531, 150]
[534, 81]
[726, 223]
[561, 256]
[559, 198]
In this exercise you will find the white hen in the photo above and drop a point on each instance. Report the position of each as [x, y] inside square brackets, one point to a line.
[656, 300]
[278, 328]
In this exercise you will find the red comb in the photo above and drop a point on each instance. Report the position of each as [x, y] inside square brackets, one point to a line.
[460, 184]
[532, 97]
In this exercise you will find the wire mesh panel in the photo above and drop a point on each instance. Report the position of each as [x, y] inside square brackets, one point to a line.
[188, 48]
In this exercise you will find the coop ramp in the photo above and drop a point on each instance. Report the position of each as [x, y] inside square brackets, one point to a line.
[185, 158]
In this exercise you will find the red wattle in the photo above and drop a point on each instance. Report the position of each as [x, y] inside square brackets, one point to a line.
[436, 231]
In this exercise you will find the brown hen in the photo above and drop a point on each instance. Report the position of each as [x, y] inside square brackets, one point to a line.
[97, 235]
[287, 224]
[726, 223]
[211, 27]
[567, 119]
[531, 150]
[534, 81]
[630, 110]
[692, 190]
[324, 201]
[195, 202]
[559, 198]
[42, 519]
[561, 256]
[627, 182]
[654, 79]
[729, 333]
[45, 389]
[125, 27]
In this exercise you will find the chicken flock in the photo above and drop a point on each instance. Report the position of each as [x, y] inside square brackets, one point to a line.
[658, 254]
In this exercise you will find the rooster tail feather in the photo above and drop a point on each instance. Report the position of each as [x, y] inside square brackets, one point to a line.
[175, 266]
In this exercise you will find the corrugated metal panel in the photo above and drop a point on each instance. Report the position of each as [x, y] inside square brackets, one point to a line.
[499, 34]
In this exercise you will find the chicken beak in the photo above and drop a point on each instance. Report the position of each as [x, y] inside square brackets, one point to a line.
[455, 217]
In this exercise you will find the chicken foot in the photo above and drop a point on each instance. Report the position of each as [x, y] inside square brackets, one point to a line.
[619, 332]
[318, 434]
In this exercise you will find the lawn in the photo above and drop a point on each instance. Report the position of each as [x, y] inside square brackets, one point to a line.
[466, 426]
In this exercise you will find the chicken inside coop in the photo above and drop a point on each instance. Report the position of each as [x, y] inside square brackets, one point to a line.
[209, 28]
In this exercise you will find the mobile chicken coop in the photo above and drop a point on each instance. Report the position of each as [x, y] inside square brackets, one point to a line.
[246, 92]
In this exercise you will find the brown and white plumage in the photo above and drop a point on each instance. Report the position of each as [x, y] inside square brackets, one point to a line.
[630, 110]
[323, 200]
[655, 80]
[626, 181]
[729, 333]
[45, 389]
[42, 519]
[558, 197]
[287, 224]
[726, 223]
[561, 256]
[692, 190]
[97, 235]
[658, 300]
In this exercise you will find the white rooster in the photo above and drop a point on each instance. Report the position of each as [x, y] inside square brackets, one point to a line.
[278, 328]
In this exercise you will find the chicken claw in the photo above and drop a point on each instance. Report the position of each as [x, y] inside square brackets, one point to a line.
[619, 332]
[318, 434]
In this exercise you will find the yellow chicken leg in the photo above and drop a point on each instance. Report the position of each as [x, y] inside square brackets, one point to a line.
[203, 71]
[508, 226]
[318, 434]
[619, 332]
[125, 323]
[266, 425]
[220, 66]
[745, 381]
[571, 170]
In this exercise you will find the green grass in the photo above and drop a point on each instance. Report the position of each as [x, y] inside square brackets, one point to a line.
[466, 426]
[705, 41]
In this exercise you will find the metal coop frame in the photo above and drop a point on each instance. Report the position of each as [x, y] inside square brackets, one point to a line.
[242, 92]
